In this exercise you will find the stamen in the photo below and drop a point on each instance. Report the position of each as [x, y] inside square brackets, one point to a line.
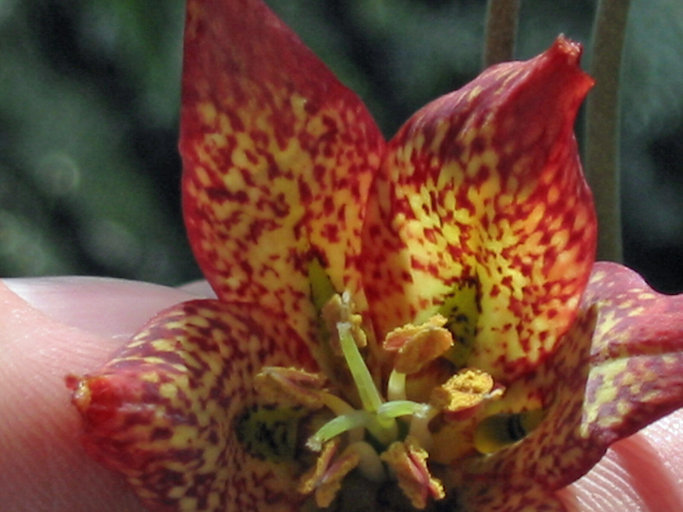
[464, 390]
[326, 477]
[408, 460]
[419, 425]
[418, 345]
[340, 309]
[335, 404]
[277, 384]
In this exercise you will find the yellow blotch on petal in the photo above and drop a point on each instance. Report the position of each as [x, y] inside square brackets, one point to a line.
[207, 111]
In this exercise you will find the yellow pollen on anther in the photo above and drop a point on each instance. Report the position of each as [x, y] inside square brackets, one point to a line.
[466, 389]
[340, 309]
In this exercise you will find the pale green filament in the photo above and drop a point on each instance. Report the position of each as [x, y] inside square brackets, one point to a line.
[396, 387]
[419, 425]
[367, 390]
[335, 404]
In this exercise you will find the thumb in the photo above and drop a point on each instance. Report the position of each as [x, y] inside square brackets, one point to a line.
[641, 473]
[81, 323]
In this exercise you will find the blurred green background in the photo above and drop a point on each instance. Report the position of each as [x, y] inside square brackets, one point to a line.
[89, 94]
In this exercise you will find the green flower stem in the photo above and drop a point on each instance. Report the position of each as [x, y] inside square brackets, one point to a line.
[602, 124]
[501, 31]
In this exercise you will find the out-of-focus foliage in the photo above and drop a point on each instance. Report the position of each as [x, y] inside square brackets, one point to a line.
[89, 95]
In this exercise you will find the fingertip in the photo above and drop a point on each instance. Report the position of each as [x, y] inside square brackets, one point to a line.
[111, 308]
[641, 473]
[39, 428]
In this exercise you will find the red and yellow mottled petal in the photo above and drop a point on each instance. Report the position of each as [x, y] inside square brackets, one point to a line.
[636, 356]
[278, 156]
[481, 208]
[165, 411]
[550, 449]
[619, 368]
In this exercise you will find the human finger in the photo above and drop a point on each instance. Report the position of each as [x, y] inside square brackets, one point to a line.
[57, 327]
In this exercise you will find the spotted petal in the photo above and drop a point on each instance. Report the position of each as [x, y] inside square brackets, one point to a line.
[277, 155]
[170, 411]
[618, 369]
[481, 212]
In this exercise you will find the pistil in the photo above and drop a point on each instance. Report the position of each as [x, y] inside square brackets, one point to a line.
[385, 436]
[367, 390]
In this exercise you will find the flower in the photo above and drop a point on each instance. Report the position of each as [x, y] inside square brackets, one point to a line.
[416, 324]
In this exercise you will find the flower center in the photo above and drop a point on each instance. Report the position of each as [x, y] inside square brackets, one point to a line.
[385, 436]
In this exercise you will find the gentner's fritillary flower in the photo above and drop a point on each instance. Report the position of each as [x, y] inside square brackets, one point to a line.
[409, 325]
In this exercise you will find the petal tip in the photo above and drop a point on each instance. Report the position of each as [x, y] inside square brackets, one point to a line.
[566, 52]
[572, 50]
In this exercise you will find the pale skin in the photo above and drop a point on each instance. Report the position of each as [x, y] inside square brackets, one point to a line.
[52, 327]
